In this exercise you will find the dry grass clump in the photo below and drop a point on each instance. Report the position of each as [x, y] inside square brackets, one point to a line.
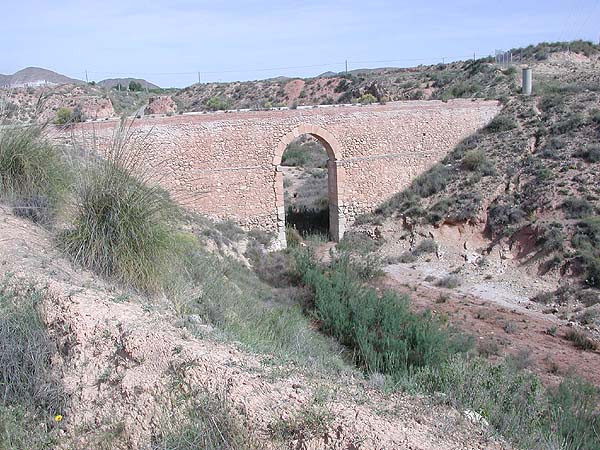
[33, 176]
[121, 225]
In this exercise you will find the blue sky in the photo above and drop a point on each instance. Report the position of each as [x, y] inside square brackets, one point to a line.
[168, 42]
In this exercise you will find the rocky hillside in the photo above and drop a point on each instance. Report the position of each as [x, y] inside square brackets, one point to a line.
[522, 193]
[462, 79]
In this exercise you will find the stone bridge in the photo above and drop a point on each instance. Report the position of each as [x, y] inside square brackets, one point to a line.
[227, 165]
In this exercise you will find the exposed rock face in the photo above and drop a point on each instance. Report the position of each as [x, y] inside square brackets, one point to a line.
[161, 104]
[41, 104]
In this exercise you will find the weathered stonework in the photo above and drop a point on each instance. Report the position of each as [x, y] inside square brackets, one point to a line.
[226, 165]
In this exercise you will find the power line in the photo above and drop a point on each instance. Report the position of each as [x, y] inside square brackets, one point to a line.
[341, 64]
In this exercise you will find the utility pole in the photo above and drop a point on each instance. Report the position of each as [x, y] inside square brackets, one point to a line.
[86, 77]
[346, 67]
[198, 77]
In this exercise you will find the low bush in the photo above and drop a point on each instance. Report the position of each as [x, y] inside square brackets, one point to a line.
[33, 175]
[577, 208]
[66, 116]
[425, 246]
[367, 99]
[358, 243]
[516, 404]
[581, 339]
[217, 104]
[208, 423]
[431, 182]
[464, 207]
[224, 293]
[305, 152]
[438, 211]
[590, 154]
[474, 160]
[501, 123]
[382, 332]
[450, 282]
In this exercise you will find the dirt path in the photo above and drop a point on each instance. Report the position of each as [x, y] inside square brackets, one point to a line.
[502, 321]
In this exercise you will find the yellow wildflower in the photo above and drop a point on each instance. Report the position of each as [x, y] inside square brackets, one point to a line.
[58, 418]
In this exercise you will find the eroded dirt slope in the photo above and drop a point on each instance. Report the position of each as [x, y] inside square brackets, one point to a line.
[123, 362]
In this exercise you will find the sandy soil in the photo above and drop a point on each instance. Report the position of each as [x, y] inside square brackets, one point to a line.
[500, 313]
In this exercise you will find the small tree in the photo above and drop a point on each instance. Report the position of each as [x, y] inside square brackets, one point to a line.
[135, 86]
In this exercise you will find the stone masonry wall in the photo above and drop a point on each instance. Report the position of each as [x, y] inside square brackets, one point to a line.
[225, 164]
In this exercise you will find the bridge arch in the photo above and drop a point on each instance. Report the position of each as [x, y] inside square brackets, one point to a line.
[336, 179]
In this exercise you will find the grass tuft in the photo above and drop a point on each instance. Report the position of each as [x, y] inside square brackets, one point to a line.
[30, 393]
[33, 176]
[121, 226]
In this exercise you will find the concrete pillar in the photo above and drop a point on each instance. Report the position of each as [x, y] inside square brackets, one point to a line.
[337, 216]
[527, 81]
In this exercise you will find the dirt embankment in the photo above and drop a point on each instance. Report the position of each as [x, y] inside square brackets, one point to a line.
[493, 297]
[122, 359]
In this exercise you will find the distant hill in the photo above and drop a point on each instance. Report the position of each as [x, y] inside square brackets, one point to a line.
[112, 82]
[35, 76]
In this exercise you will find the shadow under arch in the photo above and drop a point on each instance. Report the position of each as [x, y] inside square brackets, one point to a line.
[336, 178]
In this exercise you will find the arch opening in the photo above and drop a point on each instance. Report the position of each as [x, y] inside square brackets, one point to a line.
[308, 184]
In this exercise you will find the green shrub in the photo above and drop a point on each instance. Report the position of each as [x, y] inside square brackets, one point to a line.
[551, 101]
[121, 224]
[65, 116]
[358, 243]
[425, 246]
[135, 86]
[464, 207]
[384, 334]
[576, 208]
[438, 211]
[305, 152]
[292, 237]
[501, 123]
[502, 215]
[367, 99]
[450, 282]
[209, 423]
[516, 404]
[226, 294]
[431, 182]
[568, 124]
[580, 339]
[474, 160]
[216, 104]
[30, 393]
[33, 175]
[591, 154]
